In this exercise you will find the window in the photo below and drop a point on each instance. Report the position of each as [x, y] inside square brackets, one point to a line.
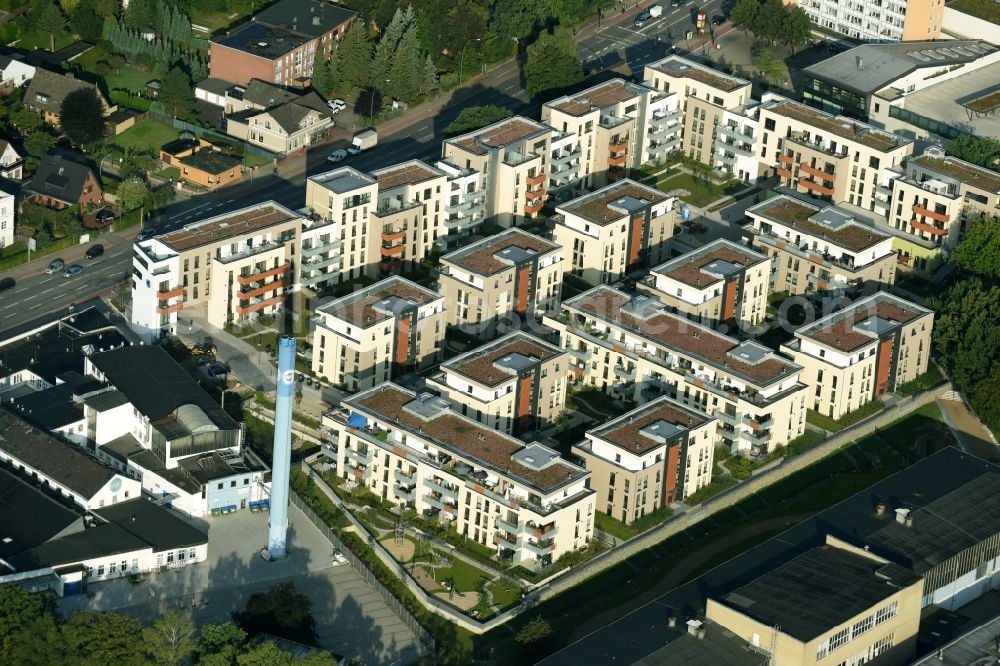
[862, 626]
[886, 613]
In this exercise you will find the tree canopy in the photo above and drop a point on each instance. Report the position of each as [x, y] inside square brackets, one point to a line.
[773, 21]
[474, 117]
[984, 151]
[552, 62]
[176, 92]
[282, 611]
[81, 117]
[979, 251]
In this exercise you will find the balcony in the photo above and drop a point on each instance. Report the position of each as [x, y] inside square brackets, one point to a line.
[316, 264]
[404, 494]
[816, 187]
[928, 228]
[618, 147]
[434, 500]
[562, 157]
[392, 250]
[626, 374]
[817, 282]
[540, 531]
[260, 305]
[534, 207]
[506, 526]
[506, 541]
[731, 419]
[404, 477]
[582, 354]
[927, 212]
[617, 161]
[727, 434]
[725, 159]
[263, 275]
[319, 247]
[786, 159]
[883, 191]
[538, 179]
[266, 246]
[540, 548]
[784, 173]
[759, 438]
[734, 134]
[758, 424]
[667, 117]
[737, 148]
[170, 309]
[816, 173]
[253, 292]
[360, 457]
[393, 236]
[441, 487]
[170, 293]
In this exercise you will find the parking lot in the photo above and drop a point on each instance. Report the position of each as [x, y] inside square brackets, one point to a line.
[351, 619]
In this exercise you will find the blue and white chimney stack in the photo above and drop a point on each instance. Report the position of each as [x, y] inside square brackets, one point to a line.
[281, 465]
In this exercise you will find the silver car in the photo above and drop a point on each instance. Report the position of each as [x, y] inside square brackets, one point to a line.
[55, 265]
[72, 270]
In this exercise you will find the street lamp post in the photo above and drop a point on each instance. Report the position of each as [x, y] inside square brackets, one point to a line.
[371, 107]
[461, 62]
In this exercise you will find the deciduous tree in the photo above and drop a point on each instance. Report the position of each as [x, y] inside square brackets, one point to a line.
[171, 638]
[984, 151]
[132, 193]
[281, 611]
[85, 20]
[46, 17]
[744, 14]
[103, 638]
[474, 117]
[979, 251]
[552, 62]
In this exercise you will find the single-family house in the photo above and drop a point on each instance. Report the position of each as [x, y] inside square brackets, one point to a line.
[60, 183]
[11, 161]
[48, 90]
[201, 163]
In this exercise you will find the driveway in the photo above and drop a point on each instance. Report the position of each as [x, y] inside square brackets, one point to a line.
[351, 619]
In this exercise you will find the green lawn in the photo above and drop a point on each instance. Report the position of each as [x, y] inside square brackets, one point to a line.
[819, 486]
[600, 401]
[218, 20]
[848, 419]
[31, 40]
[256, 160]
[615, 528]
[702, 192]
[146, 135]
[988, 10]
[466, 576]
[505, 593]
[930, 378]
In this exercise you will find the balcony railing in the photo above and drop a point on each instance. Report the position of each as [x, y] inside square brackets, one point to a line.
[405, 494]
[266, 246]
[363, 457]
[928, 228]
[263, 274]
[726, 159]
[257, 306]
[927, 212]
[739, 149]
[170, 309]
[625, 373]
[506, 541]
[759, 438]
[735, 134]
[513, 528]
[539, 532]
[253, 292]
[321, 263]
[539, 548]
[441, 487]
[537, 179]
[565, 156]
[170, 293]
[731, 419]
[817, 173]
[758, 424]
[321, 247]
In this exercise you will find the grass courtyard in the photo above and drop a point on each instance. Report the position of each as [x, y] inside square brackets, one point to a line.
[988, 10]
[702, 191]
[146, 135]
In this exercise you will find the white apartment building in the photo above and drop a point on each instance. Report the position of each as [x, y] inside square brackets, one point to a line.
[634, 348]
[415, 451]
[347, 198]
[7, 206]
[464, 204]
[721, 282]
[378, 333]
[889, 21]
[620, 228]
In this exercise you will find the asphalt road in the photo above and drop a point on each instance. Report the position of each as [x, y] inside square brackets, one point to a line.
[611, 47]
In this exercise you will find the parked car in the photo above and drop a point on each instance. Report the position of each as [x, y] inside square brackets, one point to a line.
[55, 265]
[94, 251]
[104, 217]
[336, 105]
[353, 150]
[72, 270]
[7, 283]
[206, 359]
[218, 369]
[642, 19]
[718, 20]
[676, 3]
[337, 156]
[146, 233]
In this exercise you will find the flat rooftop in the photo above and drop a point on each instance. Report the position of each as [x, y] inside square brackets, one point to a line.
[649, 319]
[466, 437]
[639, 632]
[971, 174]
[678, 67]
[944, 101]
[500, 134]
[709, 264]
[408, 173]
[487, 365]
[845, 128]
[863, 322]
[28, 517]
[343, 180]
[379, 302]
[485, 257]
[211, 161]
[613, 202]
[818, 590]
[868, 68]
[831, 224]
[626, 431]
[246, 221]
[597, 97]
[285, 25]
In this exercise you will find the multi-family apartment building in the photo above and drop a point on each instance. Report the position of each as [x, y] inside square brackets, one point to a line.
[513, 157]
[835, 603]
[704, 97]
[617, 125]
[862, 352]
[620, 228]
[832, 158]
[718, 283]
[346, 198]
[512, 276]
[7, 206]
[378, 333]
[280, 43]
[648, 458]
[894, 21]
[632, 347]
[818, 248]
[935, 197]
[464, 204]
[415, 451]
[231, 267]
[516, 384]
[409, 215]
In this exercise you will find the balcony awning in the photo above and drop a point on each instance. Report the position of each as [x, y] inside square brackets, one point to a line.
[356, 420]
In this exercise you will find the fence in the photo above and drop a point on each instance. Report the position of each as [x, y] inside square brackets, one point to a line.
[424, 638]
[432, 604]
[755, 483]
